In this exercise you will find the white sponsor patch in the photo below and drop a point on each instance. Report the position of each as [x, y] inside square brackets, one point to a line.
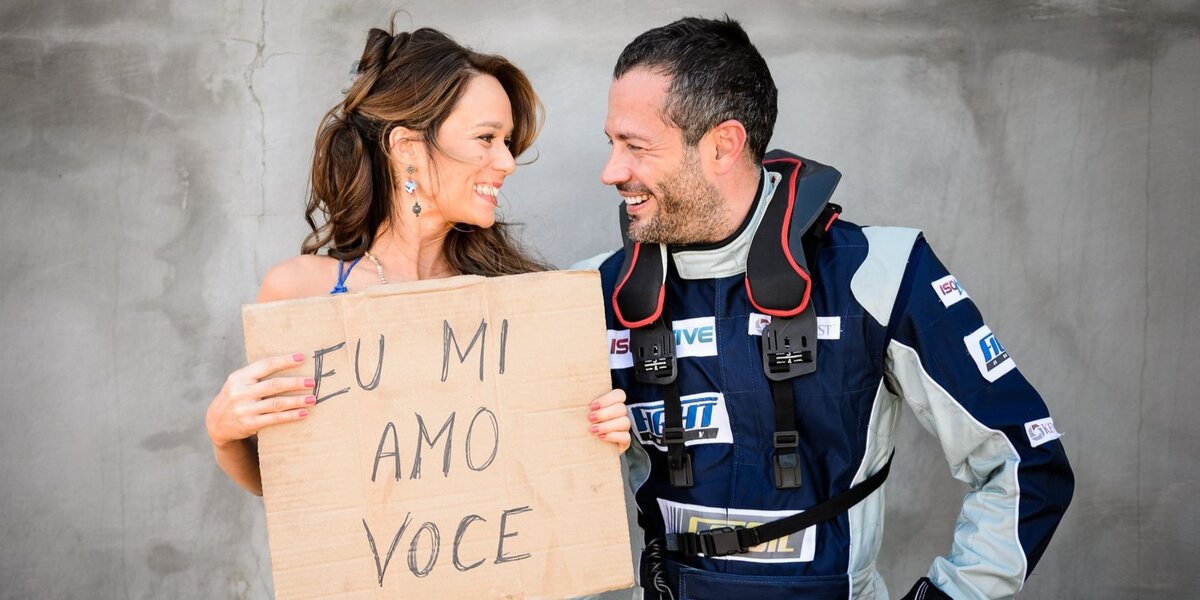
[795, 547]
[828, 328]
[949, 291]
[693, 337]
[1041, 431]
[705, 420]
[758, 322]
[991, 358]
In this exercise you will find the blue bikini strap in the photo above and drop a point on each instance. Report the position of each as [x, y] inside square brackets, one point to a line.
[344, 269]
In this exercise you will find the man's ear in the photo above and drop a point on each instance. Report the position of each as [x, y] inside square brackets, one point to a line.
[727, 145]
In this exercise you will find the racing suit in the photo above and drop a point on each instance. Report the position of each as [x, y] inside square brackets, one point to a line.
[893, 325]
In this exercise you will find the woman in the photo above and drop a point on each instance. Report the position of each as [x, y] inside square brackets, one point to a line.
[406, 173]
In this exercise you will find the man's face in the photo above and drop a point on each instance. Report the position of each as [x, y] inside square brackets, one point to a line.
[667, 195]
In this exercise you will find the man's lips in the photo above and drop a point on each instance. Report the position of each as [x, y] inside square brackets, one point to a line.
[634, 200]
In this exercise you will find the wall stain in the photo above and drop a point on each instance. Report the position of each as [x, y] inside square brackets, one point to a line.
[165, 559]
[169, 440]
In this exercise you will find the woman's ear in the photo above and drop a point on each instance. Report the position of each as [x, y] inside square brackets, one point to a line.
[404, 144]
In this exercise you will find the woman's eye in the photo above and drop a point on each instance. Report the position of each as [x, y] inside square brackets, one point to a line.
[487, 137]
[508, 142]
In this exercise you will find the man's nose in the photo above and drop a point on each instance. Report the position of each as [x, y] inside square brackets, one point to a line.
[614, 171]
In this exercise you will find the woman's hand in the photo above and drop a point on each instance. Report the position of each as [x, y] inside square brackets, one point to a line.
[248, 402]
[609, 420]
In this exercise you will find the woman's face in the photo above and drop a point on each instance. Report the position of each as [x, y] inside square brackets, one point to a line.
[474, 157]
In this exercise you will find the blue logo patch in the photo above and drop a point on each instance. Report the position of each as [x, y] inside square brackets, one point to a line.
[990, 356]
[705, 420]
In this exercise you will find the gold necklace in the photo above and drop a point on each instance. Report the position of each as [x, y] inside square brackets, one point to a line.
[378, 267]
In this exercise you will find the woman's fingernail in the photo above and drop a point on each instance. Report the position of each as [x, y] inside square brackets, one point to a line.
[303, 413]
[298, 357]
[603, 436]
[592, 417]
[309, 383]
[595, 428]
[595, 405]
[310, 400]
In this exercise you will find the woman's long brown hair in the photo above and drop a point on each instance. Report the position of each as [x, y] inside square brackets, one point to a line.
[412, 80]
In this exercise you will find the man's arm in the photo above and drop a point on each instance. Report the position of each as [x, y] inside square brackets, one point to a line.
[994, 429]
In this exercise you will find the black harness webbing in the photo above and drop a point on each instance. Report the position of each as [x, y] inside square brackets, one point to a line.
[724, 541]
[778, 283]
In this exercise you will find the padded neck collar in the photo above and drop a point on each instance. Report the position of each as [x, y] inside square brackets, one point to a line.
[726, 258]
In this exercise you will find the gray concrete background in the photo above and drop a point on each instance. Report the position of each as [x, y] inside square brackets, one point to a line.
[153, 159]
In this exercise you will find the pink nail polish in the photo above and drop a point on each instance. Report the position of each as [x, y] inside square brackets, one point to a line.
[592, 417]
[595, 405]
[309, 383]
[595, 428]
[298, 357]
[303, 413]
[310, 400]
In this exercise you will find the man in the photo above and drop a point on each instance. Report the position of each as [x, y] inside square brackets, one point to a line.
[691, 109]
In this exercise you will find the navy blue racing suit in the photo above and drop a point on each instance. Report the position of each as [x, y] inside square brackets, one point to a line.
[893, 326]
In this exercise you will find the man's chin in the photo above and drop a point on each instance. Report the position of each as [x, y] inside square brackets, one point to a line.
[639, 230]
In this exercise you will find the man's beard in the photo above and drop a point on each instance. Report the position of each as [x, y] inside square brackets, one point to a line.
[690, 209]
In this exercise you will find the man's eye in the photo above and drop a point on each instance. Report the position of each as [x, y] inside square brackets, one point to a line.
[635, 148]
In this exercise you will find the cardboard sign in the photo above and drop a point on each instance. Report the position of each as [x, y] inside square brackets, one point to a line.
[449, 454]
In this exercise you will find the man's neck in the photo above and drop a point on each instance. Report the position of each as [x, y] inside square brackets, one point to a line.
[740, 190]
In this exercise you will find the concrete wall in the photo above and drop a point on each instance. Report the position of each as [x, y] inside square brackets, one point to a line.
[153, 158]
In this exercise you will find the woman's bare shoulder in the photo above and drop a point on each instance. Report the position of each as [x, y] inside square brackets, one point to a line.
[301, 276]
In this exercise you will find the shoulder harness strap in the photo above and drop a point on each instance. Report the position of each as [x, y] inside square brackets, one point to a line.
[779, 284]
[639, 304]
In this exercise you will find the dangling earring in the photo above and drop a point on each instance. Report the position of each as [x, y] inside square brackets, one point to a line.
[410, 186]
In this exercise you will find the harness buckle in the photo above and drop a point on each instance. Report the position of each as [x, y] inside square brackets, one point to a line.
[653, 351]
[681, 472]
[672, 435]
[787, 439]
[679, 460]
[789, 346]
[724, 541]
[787, 460]
[787, 470]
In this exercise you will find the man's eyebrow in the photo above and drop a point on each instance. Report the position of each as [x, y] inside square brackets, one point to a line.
[625, 137]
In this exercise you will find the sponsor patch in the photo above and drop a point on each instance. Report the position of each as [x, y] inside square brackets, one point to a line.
[705, 421]
[693, 337]
[795, 547]
[949, 291]
[1041, 431]
[828, 328]
[991, 358]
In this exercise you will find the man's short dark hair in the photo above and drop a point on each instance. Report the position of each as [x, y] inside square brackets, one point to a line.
[716, 75]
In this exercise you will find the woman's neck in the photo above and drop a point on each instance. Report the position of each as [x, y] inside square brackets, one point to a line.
[411, 248]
